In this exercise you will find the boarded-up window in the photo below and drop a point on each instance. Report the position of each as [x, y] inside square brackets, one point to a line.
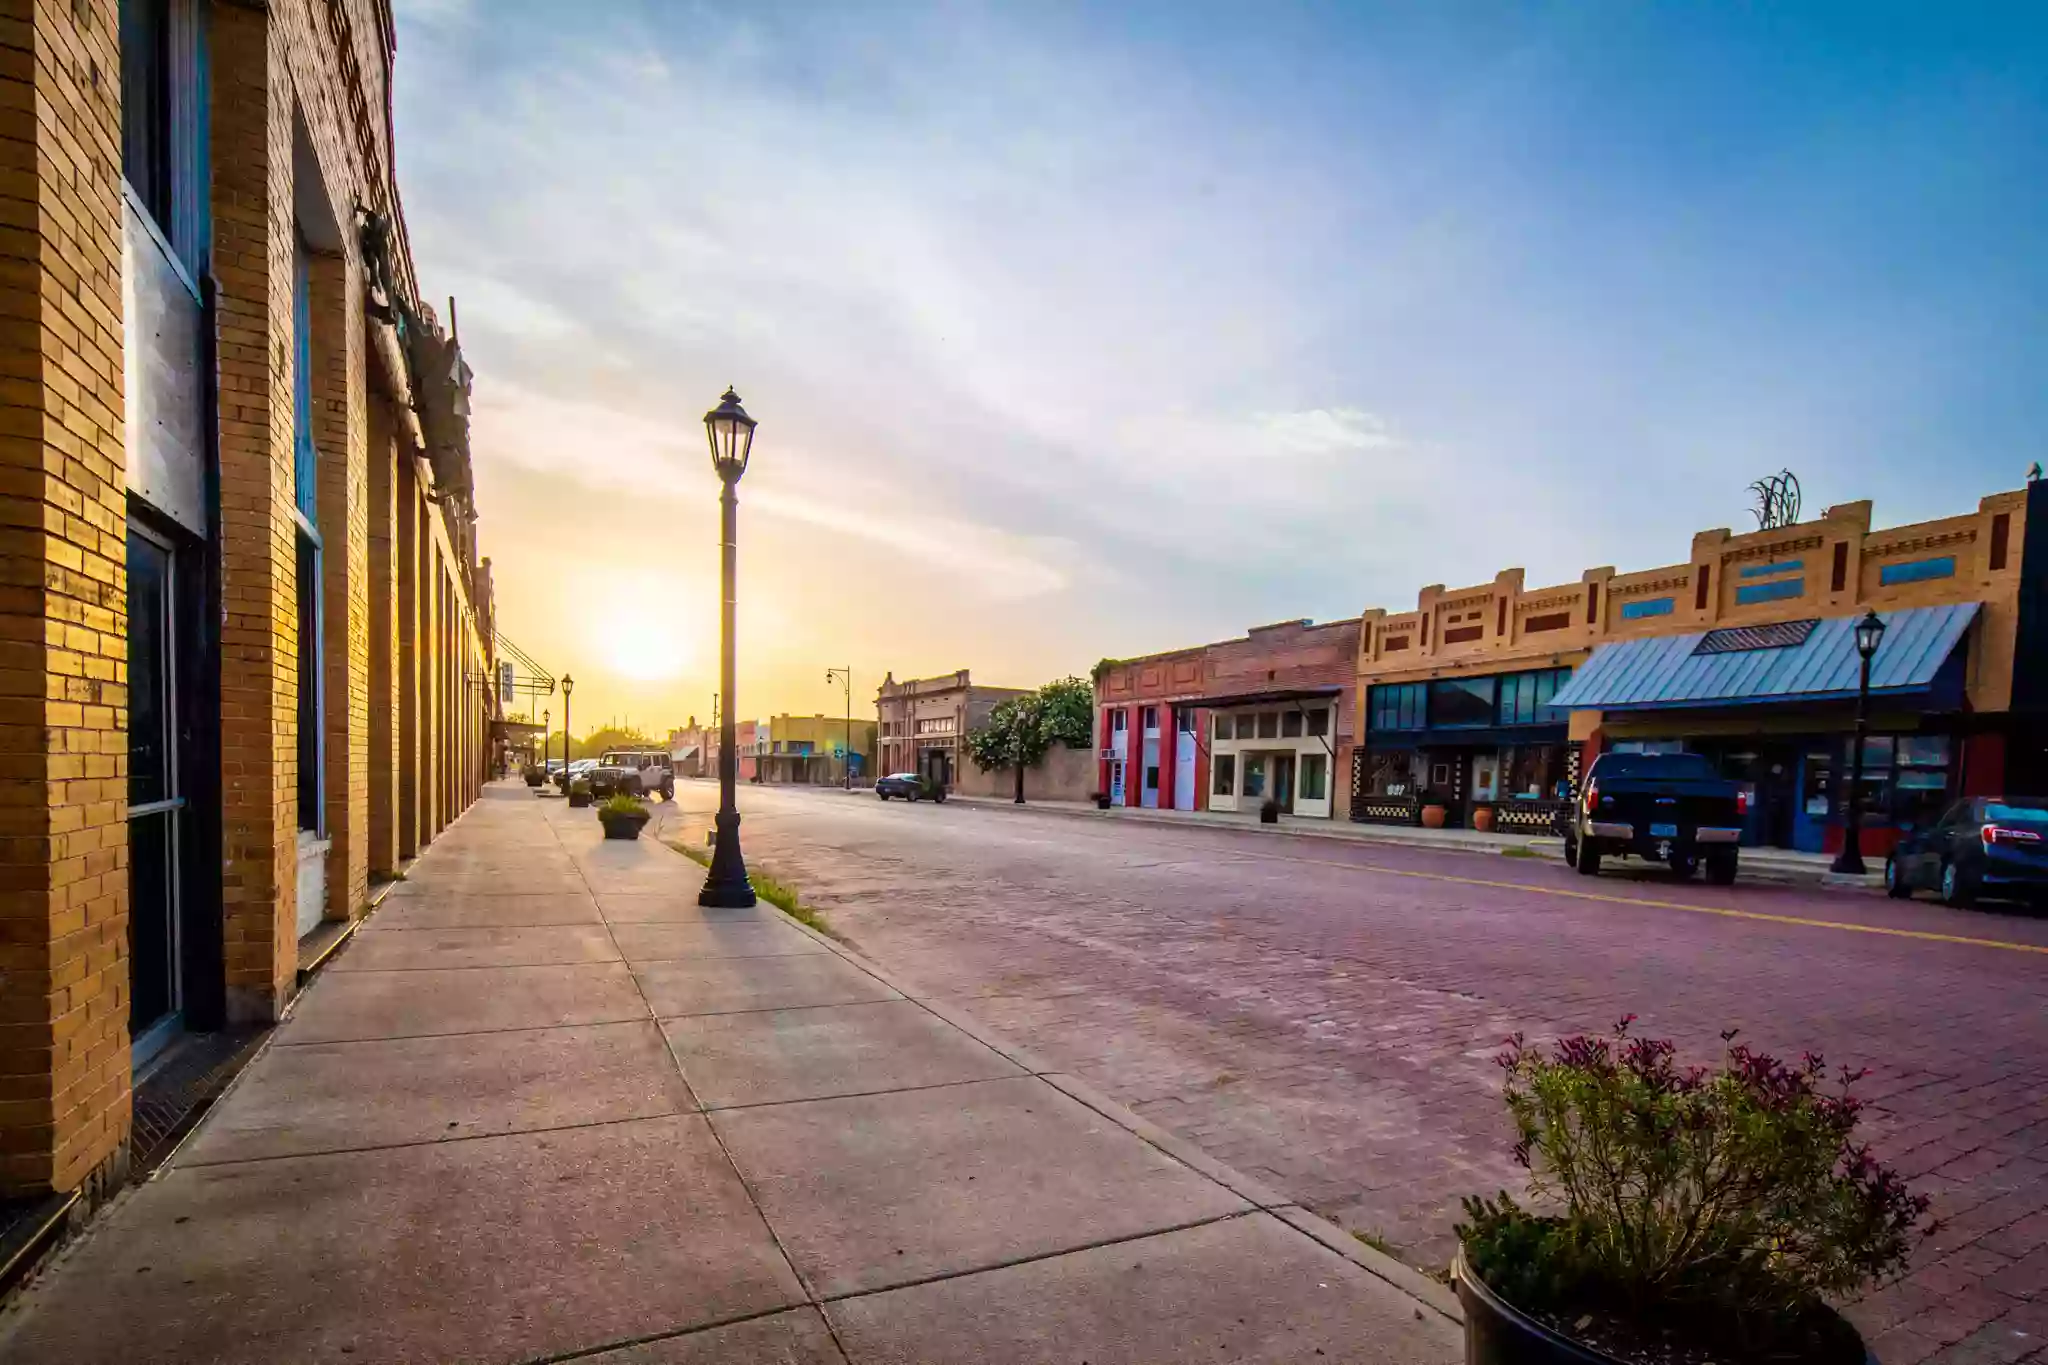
[1556, 620]
[1393, 643]
[1592, 604]
[1501, 627]
[1699, 587]
[1840, 578]
[1463, 634]
[2001, 539]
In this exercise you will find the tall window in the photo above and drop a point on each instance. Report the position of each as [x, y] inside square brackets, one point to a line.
[163, 121]
[312, 701]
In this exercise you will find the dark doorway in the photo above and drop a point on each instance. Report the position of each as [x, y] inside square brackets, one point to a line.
[1283, 780]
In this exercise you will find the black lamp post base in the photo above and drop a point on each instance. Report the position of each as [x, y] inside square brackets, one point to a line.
[1849, 862]
[727, 887]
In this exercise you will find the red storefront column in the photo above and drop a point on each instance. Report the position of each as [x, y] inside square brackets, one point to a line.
[1169, 738]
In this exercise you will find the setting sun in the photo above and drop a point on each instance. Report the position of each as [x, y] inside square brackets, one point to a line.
[640, 631]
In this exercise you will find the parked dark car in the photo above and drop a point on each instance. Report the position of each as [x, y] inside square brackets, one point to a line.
[908, 786]
[1981, 846]
[1667, 808]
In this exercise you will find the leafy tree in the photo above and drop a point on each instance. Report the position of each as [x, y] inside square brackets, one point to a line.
[1021, 730]
[611, 737]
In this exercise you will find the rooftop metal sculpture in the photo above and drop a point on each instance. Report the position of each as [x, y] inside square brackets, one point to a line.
[1777, 501]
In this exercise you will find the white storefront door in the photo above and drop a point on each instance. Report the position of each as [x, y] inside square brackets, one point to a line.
[1184, 764]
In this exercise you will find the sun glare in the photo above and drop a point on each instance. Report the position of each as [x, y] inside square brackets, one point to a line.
[640, 635]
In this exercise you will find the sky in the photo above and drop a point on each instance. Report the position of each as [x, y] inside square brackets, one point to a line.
[1078, 330]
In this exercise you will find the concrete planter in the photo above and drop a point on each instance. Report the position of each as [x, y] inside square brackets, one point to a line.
[617, 826]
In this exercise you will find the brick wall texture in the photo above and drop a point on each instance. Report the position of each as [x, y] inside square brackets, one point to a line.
[297, 104]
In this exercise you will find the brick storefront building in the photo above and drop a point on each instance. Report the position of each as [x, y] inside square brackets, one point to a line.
[924, 723]
[246, 634]
[1228, 725]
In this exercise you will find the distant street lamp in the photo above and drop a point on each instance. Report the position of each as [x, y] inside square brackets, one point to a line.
[545, 718]
[568, 686]
[731, 433]
[1869, 635]
[845, 675]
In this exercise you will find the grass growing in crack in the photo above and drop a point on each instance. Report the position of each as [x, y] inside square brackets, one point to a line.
[781, 895]
[1377, 1243]
[1517, 851]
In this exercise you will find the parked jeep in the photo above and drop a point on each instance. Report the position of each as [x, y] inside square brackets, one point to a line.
[636, 772]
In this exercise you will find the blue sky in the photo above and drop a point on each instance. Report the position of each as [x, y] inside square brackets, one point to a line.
[1088, 329]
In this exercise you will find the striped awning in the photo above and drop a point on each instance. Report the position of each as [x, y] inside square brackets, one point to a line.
[1793, 661]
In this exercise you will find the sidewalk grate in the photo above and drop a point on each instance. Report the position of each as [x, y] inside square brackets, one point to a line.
[176, 1094]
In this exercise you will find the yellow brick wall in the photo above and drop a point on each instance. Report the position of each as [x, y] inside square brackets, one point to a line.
[64, 1098]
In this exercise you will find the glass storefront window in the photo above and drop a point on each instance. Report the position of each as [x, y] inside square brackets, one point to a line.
[1224, 729]
[1269, 726]
[1224, 770]
[1457, 702]
[1290, 725]
[1395, 706]
[1396, 774]
[1314, 774]
[1318, 721]
[1254, 776]
[1532, 772]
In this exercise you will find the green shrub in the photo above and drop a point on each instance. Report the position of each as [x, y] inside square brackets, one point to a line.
[618, 803]
[580, 787]
[1735, 1201]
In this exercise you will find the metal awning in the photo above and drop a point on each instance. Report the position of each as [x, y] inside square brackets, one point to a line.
[1259, 698]
[1819, 664]
[684, 754]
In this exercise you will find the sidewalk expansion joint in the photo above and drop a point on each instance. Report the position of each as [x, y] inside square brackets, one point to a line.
[444, 1141]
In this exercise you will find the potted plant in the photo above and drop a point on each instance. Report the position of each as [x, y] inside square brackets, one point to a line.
[1102, 800]
[931, 789]
[1269, 812]
[1482, 819]
[1682, 1213]
[579, 793]
[534, 774]
[1434, 811]
[622, 817]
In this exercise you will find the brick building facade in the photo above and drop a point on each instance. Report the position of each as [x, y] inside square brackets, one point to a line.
[924, 723]
[1227, 726]
[1477, 699]
[246, 634]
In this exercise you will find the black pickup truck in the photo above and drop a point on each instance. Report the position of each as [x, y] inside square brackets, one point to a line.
[1669, 808]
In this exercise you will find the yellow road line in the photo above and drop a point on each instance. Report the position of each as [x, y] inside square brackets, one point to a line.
[1801, 921]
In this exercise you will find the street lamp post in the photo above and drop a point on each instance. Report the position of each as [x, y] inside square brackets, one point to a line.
[731, 433]
[568, 686]
[845, 675]
[546, 721]
[1869, 635]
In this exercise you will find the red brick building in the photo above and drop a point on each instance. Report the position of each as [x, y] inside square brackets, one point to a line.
[1229, 725]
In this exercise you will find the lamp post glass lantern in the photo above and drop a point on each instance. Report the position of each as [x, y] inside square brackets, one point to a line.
[731, 433]
[1869, 635]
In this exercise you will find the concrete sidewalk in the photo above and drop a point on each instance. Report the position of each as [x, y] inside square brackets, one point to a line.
[544, 1107]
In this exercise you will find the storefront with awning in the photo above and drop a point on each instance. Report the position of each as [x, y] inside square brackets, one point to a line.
[1774, 707]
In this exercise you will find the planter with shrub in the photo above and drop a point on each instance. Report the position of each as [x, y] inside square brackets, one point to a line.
[533, 774]
[1269, 812]
[1102, 800]
[579, 793]
[929, 789]
[1682, 1215]
[622, 817]
[1434, 815]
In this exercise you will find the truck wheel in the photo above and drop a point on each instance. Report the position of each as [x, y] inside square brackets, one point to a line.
[668, 791]
[1895, 884]
[1588, 861]
[1721, 865]
[1683, 865]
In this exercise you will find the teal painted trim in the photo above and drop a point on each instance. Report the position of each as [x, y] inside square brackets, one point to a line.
[1772, 570]
[1917, 570]
[1655, 606]
[1770, 592]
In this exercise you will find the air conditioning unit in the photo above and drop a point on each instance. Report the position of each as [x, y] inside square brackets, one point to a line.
[1111, 755]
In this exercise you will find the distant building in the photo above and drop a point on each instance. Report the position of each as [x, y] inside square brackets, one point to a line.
[813, 750]
[924, 722]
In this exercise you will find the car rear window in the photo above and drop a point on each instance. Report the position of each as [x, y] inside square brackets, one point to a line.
[1680, 766]
[2023, 809]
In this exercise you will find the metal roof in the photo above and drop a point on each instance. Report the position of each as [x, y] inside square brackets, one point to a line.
[1670, 670]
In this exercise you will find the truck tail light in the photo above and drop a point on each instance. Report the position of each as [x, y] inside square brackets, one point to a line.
[1592, 794]
[1742, 801]
[2006, 834]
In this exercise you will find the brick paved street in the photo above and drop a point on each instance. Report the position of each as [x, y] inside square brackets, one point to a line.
[1323, 1016]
